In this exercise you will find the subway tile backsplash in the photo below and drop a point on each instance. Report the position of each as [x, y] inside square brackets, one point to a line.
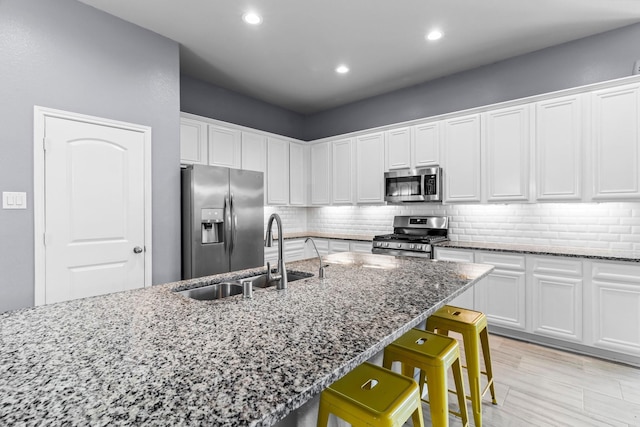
[614, 226]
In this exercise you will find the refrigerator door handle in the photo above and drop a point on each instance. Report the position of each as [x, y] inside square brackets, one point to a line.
[233, 223]
[227, 215]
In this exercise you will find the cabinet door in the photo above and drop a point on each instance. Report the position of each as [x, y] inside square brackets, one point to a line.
[370, 168]
[254, 155]
[277, 171]
[506, 154]
[294, 250]
[425, 146]
[616, 307]
[559, 140]
[362, 247]
[462, 159]
[466, 299]
[615, 155]
[501, 295]
[398, 148]
[193, 141]
[342, 171]
[224, 147]
[320, 174]
[298, 180]
[557, 306]
[336, 246]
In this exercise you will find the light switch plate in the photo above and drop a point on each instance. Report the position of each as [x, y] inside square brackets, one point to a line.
[14, 200]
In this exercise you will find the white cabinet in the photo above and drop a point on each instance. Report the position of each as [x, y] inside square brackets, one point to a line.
[361, 247]
[277, 171]
[616, 307]
[298, 180]
[462, 159]
[254, 155]
[320, 174]
[370, 168]
[398, 148]
[193, 141]
[336, 246]
[501, 295]
[556, 297]
[321, 244]
[224, 147]
[342, 171]
[559, 138]
[615, 153]
[466, 299]
[505, 154]
[425, 145]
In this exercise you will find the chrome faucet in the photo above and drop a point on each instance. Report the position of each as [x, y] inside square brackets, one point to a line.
[281, 273]
[321, 271]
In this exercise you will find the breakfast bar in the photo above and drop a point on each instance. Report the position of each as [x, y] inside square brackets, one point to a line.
[155, 357]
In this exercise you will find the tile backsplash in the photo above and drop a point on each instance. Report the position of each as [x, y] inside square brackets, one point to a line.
[614, 226]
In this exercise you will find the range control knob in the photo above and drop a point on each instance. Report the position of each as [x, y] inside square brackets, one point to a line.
[386, 245]
[399, 245]
[411, 246]
[419, 247]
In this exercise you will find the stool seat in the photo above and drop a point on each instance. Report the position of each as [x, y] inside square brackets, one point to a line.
[372, 396]
[472, 325]
[433, 354]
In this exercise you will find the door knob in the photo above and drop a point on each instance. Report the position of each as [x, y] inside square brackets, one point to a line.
[137, 250]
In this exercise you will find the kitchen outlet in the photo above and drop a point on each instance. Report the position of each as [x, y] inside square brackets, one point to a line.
[12, 200]
[636, 67]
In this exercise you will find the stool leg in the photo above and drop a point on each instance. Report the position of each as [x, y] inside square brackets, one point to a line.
[416, 417]
[462, 400]
[472, 354]
[484, 340]
[437, 386]
[323, 414]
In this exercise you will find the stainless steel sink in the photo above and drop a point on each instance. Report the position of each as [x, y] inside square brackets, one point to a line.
[261, 280]
[215, 291]
[234, 287]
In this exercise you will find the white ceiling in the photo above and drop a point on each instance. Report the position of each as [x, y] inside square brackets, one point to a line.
[289, 59]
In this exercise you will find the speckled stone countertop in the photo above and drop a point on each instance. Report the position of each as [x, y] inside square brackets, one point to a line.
[301, 235]
[600, 254]
[151, 357]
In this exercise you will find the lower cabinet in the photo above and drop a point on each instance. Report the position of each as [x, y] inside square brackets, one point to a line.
[297, 249]
[615, 296]
[590, 306]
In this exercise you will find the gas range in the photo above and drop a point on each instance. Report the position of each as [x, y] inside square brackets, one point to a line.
[412, 236]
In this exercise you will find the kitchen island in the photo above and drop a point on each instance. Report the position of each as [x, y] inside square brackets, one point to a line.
[153, 357]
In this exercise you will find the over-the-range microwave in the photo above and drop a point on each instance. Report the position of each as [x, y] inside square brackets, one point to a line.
[413, 185]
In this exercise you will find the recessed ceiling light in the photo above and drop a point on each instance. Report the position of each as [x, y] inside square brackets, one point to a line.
[434, 35]
[342, 69]
[252, 18]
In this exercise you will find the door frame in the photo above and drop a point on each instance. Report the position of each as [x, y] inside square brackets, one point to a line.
[39, 117]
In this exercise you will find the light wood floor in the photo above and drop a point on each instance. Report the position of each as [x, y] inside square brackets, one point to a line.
[539, 386]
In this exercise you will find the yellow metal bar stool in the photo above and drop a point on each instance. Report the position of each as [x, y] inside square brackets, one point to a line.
[433, 355]
[472, 325]
[372, 396]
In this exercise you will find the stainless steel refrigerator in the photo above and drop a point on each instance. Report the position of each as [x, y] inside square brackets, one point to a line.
[222, 220]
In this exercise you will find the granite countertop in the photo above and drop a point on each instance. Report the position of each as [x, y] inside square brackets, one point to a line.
[152, 357]
[333, 236]
[601, 254]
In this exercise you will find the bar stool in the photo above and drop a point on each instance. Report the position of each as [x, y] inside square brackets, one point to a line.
[473, 327]
[433, 355]
[372, 396]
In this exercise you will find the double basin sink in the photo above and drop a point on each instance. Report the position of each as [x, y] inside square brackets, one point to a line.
[234, 286]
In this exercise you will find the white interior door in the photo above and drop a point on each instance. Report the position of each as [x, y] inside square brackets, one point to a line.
[94, 216]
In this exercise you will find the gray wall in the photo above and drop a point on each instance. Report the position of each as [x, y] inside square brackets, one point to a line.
[208, 100]
[592, 59]
[66, 55]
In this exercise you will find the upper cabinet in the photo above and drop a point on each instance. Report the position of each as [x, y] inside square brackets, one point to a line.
[193, 141]
[505, 154]
[277, 171]
[559, 138]
[320, 174]
[398, 148]
[225, 147]
[298, 174]
[342, 171]
[370, 168]
[254, 155]
[461, 169]
[425, 145]
[615, 152]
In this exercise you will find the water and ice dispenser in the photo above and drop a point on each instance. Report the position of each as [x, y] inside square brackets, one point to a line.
[212, 226]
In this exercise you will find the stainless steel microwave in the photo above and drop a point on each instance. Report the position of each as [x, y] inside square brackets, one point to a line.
[413, 185]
